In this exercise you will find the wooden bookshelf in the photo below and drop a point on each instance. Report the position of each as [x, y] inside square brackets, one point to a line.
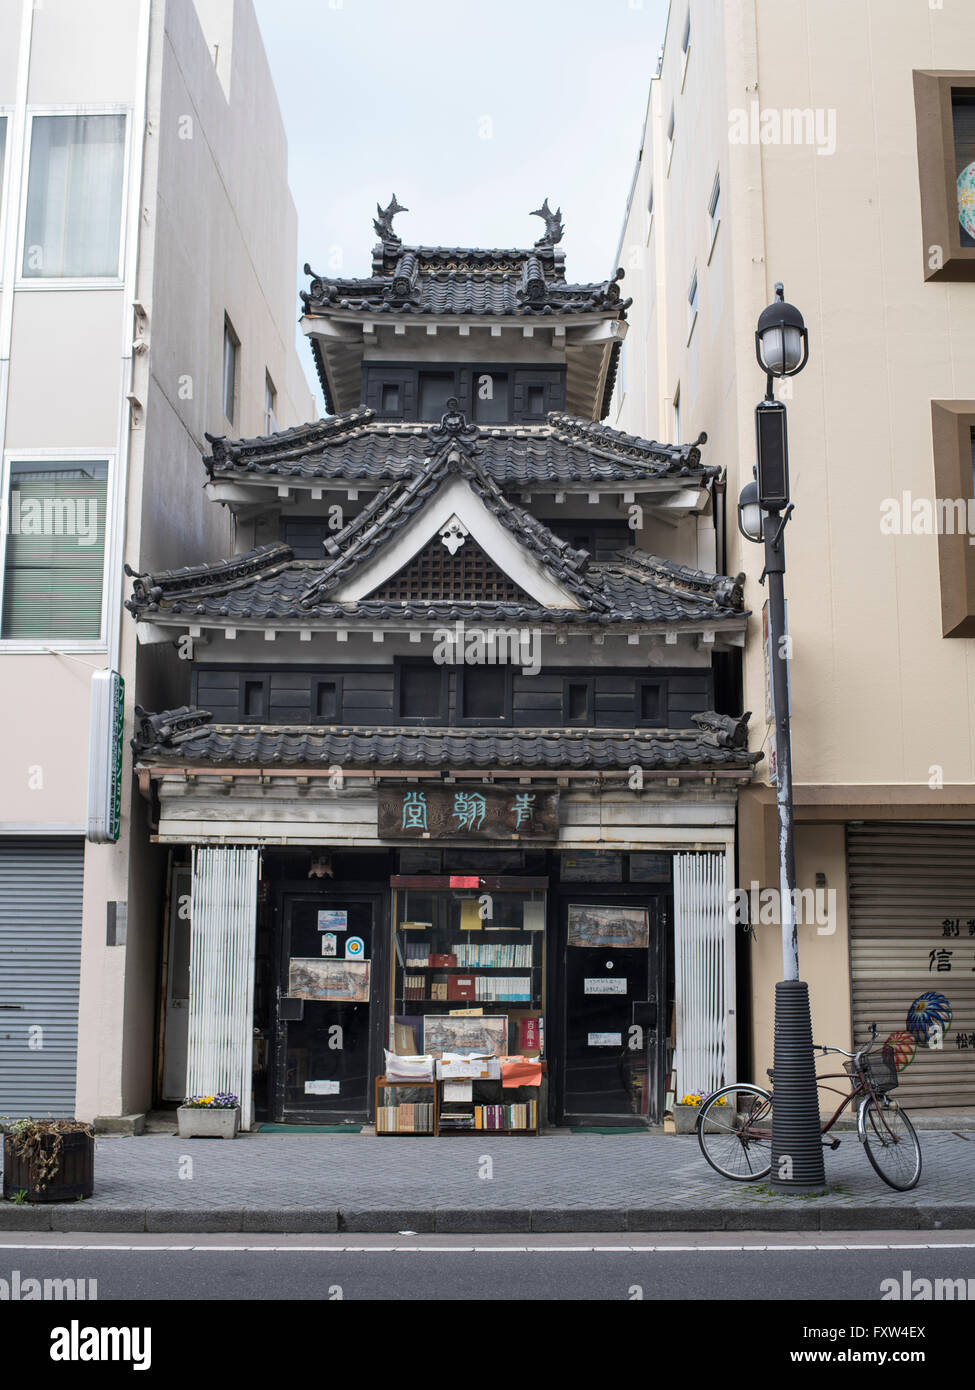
[382, 1108]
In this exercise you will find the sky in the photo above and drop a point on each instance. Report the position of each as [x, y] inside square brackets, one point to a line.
[471, 113]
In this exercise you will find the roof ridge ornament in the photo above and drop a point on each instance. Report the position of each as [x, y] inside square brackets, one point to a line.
[453, 428]
[554, 228]
[383, 224]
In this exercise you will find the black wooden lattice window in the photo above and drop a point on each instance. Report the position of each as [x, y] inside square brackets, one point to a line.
[435, 574]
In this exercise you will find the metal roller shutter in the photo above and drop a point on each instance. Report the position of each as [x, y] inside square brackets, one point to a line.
[905, 880]
[40, 962]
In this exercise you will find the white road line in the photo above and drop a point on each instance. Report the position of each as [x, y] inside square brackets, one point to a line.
[486, 1249]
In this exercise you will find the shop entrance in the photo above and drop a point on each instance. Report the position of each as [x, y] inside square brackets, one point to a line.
[613, 954]
[327, 977]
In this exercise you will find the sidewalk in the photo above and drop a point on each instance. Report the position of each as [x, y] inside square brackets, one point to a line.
[479, 1183]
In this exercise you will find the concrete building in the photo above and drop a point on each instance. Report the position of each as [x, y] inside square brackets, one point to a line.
[147, 262]
[831, 147]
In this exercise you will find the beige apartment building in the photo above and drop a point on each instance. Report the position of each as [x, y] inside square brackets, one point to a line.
[831, 146]
[147, 274]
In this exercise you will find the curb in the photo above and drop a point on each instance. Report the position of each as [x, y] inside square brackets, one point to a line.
[481, 1220]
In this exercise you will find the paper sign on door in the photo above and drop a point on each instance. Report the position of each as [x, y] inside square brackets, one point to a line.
[610, 986]
[605, 1039]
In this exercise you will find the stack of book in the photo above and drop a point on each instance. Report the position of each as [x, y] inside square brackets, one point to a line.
[456, 1119]
[405, 1119]
[414, 986]
[417, 953]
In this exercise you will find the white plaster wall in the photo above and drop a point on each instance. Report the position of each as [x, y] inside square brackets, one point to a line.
[878, 695]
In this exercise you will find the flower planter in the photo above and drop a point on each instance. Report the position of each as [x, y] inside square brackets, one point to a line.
[208, 1122]
[685, 1120]
[73, 1178]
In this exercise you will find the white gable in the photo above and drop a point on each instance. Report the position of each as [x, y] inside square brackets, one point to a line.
[456, 502]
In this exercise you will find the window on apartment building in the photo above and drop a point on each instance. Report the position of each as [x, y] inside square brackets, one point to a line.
[74, 197]
[3, 155]
[692, 305]
[953, 439]
[270, 405]
[54, 556]
[670, 137]
[963, 126]
[231, 355]
[945, 114]
[677, 438]
[714, 209]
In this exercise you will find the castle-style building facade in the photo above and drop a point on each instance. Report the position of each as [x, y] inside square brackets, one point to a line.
[461, 740]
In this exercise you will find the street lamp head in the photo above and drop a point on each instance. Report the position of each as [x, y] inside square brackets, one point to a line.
[781, 339]
[751, 519]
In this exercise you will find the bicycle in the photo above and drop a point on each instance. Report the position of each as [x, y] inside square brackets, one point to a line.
[736, 1139]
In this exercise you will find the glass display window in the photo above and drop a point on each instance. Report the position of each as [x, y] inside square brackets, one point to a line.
[468, 965]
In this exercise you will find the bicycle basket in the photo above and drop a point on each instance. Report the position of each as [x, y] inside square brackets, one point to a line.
[879, 1073]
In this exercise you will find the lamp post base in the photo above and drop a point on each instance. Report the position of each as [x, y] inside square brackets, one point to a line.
[797, 1148]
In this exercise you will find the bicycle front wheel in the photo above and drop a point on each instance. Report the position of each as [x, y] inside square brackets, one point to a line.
[736, 1137]
[891, 1144]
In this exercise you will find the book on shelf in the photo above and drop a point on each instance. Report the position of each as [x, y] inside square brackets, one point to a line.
[518, 1116]
[462, 987]
[417, 954]
[493, 955]
[416, 1118]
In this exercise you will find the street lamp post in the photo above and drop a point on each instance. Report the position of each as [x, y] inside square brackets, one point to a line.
[764, 509]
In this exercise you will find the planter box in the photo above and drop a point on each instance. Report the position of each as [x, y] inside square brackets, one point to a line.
[685, 1120]
[208, 1122]
[74, 1178]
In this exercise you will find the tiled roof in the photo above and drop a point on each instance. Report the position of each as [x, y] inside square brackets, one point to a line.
[359, 447]
[618, 592]
[184, 737]
[464, 280]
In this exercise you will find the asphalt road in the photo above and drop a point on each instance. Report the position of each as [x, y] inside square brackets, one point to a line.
[687, 1267]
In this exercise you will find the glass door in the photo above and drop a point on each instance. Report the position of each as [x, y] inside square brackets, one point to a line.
[612, 971]
[325, 989]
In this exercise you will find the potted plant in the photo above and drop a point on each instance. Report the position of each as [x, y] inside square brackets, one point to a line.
[687, 1109]
[209, 1117]
[49, 1160]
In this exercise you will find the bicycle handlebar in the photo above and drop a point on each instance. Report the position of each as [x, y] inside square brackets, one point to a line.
[854, 1056]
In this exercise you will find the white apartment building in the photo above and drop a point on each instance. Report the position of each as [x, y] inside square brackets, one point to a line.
[147, 281]
[831, 146]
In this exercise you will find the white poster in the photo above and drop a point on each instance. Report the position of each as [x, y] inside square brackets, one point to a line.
[605, 1039]
[458, 1090]
[609, 986]
[322, 1088]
